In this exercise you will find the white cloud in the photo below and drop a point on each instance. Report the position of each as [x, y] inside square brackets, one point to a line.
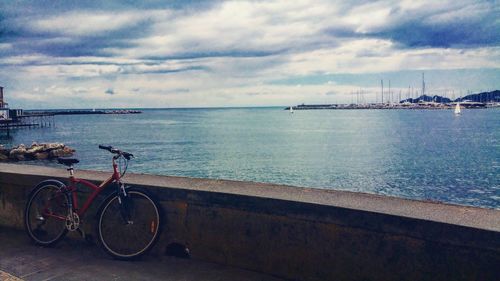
[234, 26]
[5, 46]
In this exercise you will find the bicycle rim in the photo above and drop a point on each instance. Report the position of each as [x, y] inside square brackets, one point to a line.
[45, 215]
[127, 240]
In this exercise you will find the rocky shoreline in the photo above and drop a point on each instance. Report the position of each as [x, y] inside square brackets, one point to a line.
[37, 151]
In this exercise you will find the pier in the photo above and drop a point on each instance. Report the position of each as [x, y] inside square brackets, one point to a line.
[82, 112]
[26, 121]
[18, 118]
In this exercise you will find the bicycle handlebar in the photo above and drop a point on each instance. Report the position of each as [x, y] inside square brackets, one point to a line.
[117, 151]
[105, 147]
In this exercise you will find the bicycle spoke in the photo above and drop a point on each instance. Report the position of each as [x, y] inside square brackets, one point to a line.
[45, 215]
[126, 240]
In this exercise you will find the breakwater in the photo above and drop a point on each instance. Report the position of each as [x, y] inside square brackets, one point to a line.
[300, 233]
[81, 112]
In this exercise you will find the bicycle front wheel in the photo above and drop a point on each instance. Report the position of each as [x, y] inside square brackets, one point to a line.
[128, 227]
[45, 214]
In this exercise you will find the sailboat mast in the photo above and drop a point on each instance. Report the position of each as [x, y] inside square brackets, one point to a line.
[382, 85]
[390, 94]
[423, 84]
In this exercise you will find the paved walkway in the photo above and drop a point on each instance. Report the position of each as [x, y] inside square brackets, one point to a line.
[74, 259]
[4, 276]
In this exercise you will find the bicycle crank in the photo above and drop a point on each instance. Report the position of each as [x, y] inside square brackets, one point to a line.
[72, 221]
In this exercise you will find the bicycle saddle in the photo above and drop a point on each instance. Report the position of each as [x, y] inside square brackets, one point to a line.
[67, 161]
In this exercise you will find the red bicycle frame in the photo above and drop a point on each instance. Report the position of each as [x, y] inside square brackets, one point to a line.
[96, 189]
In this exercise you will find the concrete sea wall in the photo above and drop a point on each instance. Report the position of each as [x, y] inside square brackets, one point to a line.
[300, 233]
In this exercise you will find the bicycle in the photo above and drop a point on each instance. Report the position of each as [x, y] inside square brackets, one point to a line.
[128, 220]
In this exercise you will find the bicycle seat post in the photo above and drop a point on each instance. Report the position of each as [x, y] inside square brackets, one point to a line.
[71, 171]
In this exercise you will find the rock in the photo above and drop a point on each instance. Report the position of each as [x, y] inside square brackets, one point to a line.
[55, 153]
[20, 150]
[35, 149]
[52, 146]
[41, 155]
[66, 151]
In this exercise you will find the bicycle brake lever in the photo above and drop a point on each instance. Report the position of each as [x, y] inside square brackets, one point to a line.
[128, 155]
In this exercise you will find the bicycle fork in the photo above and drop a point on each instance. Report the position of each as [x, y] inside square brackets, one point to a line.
[125, 203]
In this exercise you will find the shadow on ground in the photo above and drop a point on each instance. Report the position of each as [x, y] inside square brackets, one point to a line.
[75, 259]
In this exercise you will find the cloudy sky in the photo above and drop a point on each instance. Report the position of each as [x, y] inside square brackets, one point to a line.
[83, 54]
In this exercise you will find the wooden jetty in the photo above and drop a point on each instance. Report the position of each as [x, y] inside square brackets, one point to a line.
[18, 118]
[27, 121]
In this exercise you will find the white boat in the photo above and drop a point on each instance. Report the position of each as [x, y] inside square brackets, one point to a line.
[457, 109]
[291, 109]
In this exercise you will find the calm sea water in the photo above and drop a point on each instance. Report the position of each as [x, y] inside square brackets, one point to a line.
[430, 155]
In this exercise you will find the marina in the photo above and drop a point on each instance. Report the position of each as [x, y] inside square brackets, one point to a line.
[474, 101]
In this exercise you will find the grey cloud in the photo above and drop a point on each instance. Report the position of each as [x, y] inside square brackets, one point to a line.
[134, 70]
[332, 93]
[463, 25]
[409, 29]
[468, 24]
[57, 7]
[177, 91]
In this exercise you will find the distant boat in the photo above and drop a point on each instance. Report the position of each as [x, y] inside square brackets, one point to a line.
[457, 109]
[291, 109]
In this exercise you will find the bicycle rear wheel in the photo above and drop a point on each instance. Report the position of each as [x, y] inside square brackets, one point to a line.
[128, 227]
[45, 214]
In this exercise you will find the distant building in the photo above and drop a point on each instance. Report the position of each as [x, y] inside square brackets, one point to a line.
[14, 114]
[2, 102]
[4, 113]
[4, 110]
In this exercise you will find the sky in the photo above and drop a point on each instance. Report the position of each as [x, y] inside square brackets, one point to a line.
[101, 54]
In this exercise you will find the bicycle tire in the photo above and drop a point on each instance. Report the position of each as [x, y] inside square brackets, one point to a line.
[45, 229]
[124, 240]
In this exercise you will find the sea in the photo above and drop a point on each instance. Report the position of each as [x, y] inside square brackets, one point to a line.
[418, 154]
